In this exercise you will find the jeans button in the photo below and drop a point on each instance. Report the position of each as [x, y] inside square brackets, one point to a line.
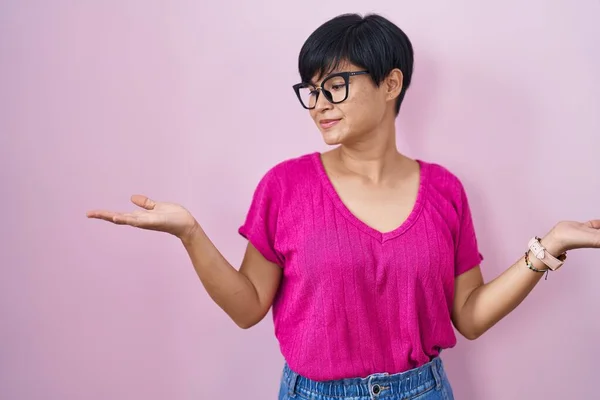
[376, 389]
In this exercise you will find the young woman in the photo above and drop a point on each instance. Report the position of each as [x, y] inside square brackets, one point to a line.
[369, 258]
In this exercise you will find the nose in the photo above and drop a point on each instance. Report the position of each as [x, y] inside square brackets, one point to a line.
[322, 102]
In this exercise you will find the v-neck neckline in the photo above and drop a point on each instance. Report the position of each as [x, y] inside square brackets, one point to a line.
[360, 224]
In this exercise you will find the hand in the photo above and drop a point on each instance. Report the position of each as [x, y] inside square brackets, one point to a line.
[571, 235]
[164, 217]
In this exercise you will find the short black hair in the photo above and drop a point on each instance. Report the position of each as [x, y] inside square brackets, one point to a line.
[371, 42]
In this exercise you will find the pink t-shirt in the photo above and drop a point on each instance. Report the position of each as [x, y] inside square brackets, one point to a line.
[354, 301]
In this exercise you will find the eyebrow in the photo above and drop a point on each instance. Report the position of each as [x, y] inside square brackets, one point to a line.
[325, 76]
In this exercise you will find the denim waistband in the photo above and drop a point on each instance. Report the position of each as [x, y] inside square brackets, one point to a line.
[377, 386]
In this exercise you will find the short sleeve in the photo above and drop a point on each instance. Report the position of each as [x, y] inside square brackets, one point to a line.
[260, 226]
[466, 255]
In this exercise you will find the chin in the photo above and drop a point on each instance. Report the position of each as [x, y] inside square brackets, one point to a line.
[332, 138]
[332, 142]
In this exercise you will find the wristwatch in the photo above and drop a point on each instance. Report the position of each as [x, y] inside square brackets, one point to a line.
[543, 255]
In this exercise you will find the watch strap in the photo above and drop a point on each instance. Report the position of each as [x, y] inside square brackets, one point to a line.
[543, 255]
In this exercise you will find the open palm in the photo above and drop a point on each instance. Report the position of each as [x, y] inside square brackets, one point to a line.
[165, 217]
[578, 235]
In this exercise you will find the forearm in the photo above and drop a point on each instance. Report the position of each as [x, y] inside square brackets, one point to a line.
[229, 288]
[491, 302]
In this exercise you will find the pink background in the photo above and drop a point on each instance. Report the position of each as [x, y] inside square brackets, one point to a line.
[191, 101]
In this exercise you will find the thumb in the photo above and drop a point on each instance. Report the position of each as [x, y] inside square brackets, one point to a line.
[595, 224]
[143, 201]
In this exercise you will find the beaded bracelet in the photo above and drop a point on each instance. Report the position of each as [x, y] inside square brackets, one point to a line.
[531, 267]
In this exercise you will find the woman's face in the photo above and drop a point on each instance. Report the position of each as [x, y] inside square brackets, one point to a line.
[362, 106]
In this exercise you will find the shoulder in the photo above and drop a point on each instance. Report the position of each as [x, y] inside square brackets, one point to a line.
[291, 168]
[440, 174]
[287, 179]
[443, 183]
[291, 172]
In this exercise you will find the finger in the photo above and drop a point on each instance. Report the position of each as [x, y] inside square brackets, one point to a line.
[143, 201]
[110, 216]
[125, 219]
[102, 214]
[594, 223]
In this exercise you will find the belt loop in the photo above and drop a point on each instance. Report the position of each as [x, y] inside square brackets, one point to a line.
[293, 379]
[435, 369]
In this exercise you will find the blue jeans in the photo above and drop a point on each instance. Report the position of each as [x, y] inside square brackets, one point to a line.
[428, 382]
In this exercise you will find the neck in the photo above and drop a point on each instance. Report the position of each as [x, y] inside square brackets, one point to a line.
[375, 157]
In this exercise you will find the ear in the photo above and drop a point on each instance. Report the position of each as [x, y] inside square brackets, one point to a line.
[393, 84]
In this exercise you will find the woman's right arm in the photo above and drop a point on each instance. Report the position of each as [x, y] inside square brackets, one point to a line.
[246, 294]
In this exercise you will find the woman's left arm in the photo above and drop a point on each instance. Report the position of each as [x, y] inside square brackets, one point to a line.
[478, 306]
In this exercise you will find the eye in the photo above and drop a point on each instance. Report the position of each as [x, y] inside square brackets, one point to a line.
[337, 87]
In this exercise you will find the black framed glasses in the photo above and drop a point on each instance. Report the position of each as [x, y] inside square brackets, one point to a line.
[334, 87]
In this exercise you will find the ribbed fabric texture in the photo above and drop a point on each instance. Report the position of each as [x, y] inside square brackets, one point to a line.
[354, 301]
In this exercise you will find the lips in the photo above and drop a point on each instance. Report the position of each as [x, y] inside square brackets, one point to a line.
[328, 123]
